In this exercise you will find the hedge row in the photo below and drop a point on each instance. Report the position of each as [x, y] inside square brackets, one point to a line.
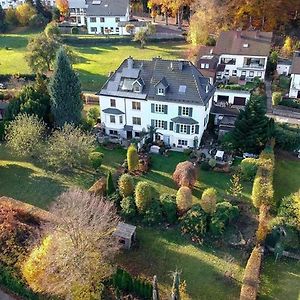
[250, 284]
[263, 192]
[7, 77]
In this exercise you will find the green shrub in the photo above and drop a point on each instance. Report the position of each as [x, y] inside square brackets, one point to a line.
[153, 214]
[184, 199]
[75, 30]
[115, 197]
[110, 187]
[126, 185]
[276, 98]
[132, 158]
[212, 162]
[96, 159]
[128, 207]
[209, 200]
[287, 138]
[144, 194]
[248, 168]
[293, 103]
[194, 222]
[168, 203]
[225, 213]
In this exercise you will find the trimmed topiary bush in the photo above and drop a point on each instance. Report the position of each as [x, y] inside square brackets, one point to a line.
[126, 185]
[276, 98]
[128, 207]
[184, 199]
[248, 168]
[132, 158]
[153, 214]
[168, 203]
[209, 200]
[185, 174]
[144, 194]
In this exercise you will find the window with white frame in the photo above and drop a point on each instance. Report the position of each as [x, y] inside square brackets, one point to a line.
[136, 105]
[182, 142]
[93, 19]
[160, 91]
[183, 128]
[121, 119]
[185, 111]
[102, 20]
[226, 72]
[192, 129]
[93, 29]
[202, 66]
[117, 29]
[159, 108]
[117, 19]
[251, 74]
[234, 72]
[159, 124]
[136, 121]
[206, 66]
[259, 74]
[112, 119]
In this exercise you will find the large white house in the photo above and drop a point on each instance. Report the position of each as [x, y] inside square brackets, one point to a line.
[242, 55]
[77, 11]
[171, 95]
[6, 4]
[295, 76]
[103, 16]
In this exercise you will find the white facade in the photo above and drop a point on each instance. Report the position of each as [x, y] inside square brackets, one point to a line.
[242, 67]
[77, 11]
[140, 114]
[6, 4]
[232, 97]
[105, 24]
[295, 86]
[283, 69]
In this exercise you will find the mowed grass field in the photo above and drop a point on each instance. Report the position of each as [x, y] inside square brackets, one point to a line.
[93, 63]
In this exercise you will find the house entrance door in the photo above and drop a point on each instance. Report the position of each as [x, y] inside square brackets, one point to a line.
[129, 134]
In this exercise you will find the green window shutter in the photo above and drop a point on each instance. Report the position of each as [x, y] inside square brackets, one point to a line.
[165, 109]
[179, 110]
[188, 129]
[171, 126]
[197, 129]
[165, 125]
[177, 128]
[191, 112]
[152, 107]
[152, 123]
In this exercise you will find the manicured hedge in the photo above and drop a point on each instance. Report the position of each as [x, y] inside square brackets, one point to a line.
[250, 285]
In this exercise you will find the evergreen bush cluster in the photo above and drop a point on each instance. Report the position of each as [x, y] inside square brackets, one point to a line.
[248, 168]
[125, 283]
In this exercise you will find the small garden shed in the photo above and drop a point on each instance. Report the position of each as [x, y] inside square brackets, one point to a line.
[125, 234]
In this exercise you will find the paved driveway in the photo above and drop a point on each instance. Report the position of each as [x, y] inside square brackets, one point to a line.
[4, 296]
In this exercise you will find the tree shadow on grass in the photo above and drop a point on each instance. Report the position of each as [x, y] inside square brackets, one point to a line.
[209, 274]
[13, 41]
[100, 49]
[26, 185]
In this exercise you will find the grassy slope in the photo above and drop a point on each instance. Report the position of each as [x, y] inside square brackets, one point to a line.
[93, 63]
[31, 183]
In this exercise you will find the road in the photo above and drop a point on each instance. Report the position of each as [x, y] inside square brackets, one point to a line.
[4, 296]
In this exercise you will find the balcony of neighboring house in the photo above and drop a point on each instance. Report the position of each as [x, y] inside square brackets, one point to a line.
[254, 63]
[77, 12]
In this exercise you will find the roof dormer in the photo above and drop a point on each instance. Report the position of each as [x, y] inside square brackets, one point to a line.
[161, 87]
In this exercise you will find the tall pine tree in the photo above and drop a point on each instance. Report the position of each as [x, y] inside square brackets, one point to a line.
[252, 127]
[64, 90]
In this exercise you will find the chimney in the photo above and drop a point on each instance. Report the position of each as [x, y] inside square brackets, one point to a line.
[130, 62]
[180, 65]
[257, 34]
[172, 66]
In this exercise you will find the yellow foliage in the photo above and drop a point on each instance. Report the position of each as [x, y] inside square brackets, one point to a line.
[63, 6]
[24, 12]
[209, 200]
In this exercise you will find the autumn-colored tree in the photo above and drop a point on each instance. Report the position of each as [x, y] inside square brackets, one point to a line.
[235, 188]
[185, 174]
[209, 200]
[77, 253]
[126, 185]
[184, 199]
[24, 13]
[63, 6]
[287, 48]
[132, 158]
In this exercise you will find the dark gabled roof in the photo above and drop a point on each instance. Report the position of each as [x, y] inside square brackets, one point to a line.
[296, 63]
[163, 81]
[284, 61]
[172, 73]
[185, 120]
[112, 111]
[244, 43]
[107, 8]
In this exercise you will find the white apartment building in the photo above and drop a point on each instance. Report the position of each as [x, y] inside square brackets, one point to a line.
[295, 76]
[170, 95]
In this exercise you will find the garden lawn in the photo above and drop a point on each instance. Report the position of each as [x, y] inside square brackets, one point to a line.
[93, 63]
[286, 177]
[32, 183]
[203, 268]
[280, 280]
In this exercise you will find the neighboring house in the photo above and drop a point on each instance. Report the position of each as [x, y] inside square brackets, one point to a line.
[283, 66]
[227, 97]
[295, 76]
[171, 95]
[242, 55]
[77, 11]
[103, 16]
[6, 4]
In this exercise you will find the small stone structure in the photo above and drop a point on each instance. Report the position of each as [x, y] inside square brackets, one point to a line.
[125, 234]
